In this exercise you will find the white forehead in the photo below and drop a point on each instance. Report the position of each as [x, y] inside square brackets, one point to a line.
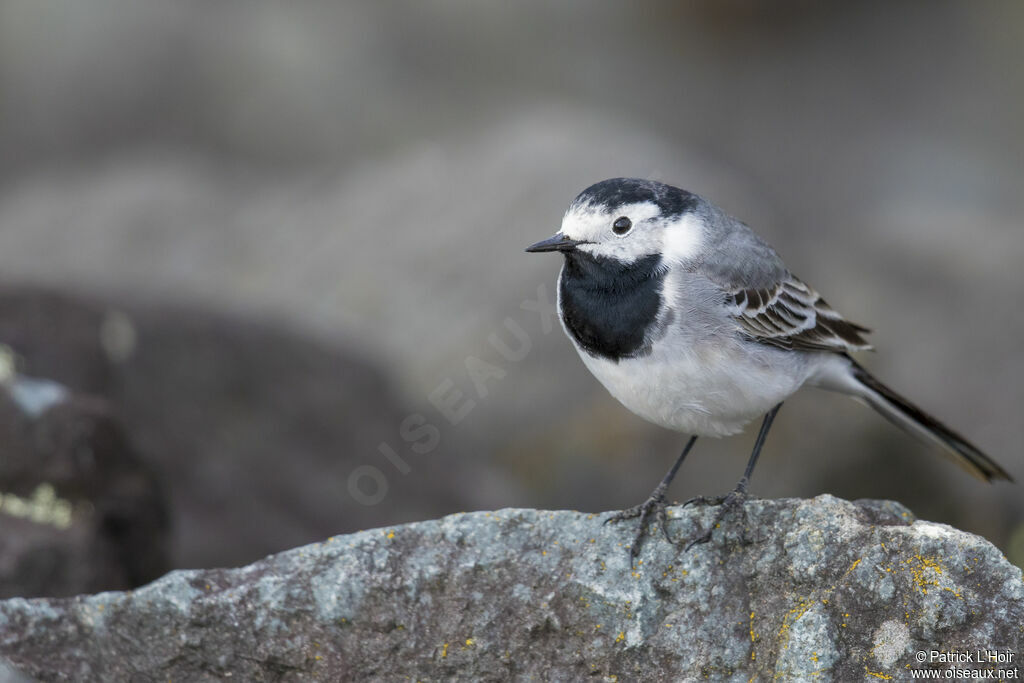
[678, 238]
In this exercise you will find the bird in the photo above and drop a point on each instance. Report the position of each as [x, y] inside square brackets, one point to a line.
[693, 322]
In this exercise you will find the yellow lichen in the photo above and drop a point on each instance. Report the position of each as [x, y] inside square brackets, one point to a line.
[919, 572]
[753, 638]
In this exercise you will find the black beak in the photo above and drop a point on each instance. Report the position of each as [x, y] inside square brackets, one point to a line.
[557, 243]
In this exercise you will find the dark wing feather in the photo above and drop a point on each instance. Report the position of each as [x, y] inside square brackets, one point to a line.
[791, 315]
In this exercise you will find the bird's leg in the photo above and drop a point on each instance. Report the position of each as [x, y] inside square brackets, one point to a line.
[654, 505]
[739, 494]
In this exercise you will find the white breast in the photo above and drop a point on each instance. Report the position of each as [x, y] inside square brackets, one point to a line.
[709, 390]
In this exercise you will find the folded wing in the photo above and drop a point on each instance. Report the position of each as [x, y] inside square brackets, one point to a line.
[791, 315]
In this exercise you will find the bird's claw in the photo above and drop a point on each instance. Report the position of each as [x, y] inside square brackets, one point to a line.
[653, 506]
[654, 509]
[726, 504]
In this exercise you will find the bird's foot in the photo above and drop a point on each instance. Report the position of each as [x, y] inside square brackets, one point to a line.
[650, 510]
[725, 505]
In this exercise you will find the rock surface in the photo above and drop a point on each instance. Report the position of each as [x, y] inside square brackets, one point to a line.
[787, 589]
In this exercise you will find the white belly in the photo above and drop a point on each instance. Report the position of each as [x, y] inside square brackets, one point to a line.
[714, 390]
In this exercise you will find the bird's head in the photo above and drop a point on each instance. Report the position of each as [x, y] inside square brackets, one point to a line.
[628, 219]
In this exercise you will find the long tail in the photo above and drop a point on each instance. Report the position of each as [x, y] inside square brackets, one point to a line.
[909, 417]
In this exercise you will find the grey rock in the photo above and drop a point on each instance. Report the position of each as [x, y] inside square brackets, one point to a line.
[8, 674]
[80, 509]
[789, 590]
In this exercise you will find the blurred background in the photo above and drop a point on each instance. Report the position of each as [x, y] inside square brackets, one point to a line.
[262, 275]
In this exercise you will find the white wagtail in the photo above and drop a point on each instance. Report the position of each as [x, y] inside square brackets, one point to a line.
[694, 323]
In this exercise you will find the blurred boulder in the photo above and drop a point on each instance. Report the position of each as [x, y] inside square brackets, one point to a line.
[253, 431]
[258, 430]
[81, 511]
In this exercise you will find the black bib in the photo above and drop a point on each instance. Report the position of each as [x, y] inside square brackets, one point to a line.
[608, 306]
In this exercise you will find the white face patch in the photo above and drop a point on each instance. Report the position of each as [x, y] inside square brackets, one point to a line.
[679, 239]
[593, 224]
[683, 238]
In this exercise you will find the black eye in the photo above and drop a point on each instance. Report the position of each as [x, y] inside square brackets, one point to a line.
[621, 225]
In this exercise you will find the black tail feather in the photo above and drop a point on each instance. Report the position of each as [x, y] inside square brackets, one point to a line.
[909, 417]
